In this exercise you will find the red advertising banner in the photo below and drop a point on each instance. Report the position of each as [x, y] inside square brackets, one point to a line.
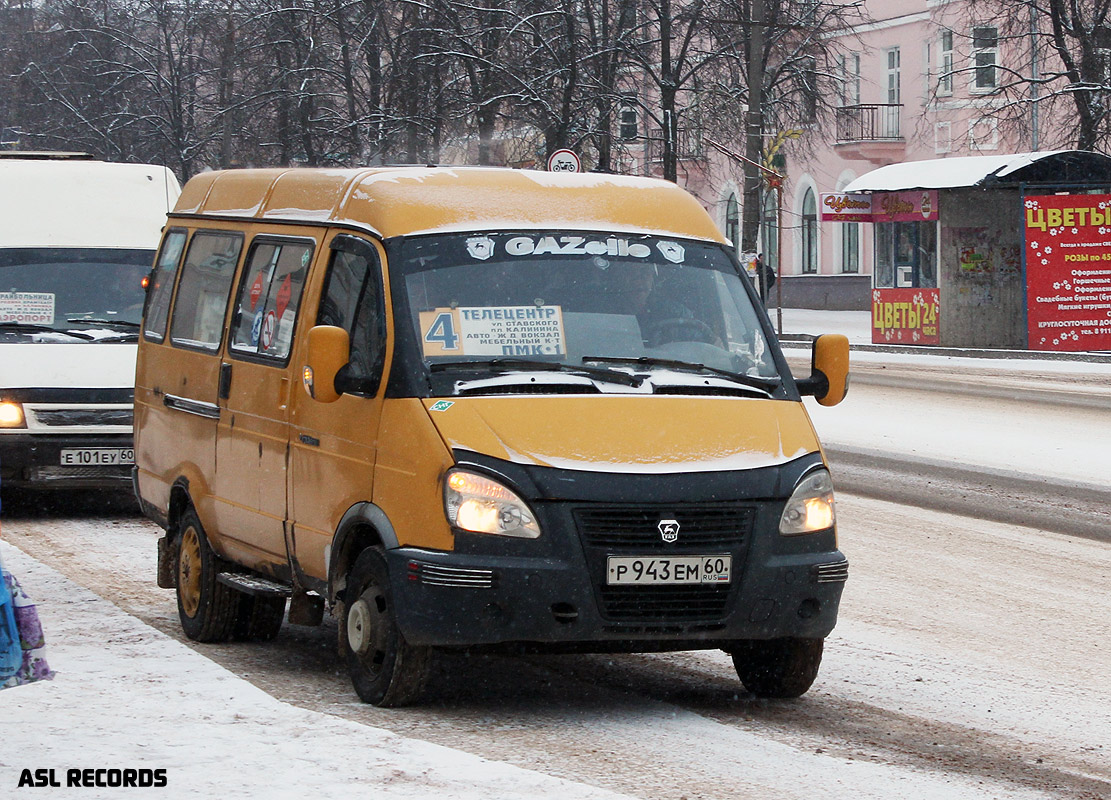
[841, 207]
[916, 206]
[905, 316]
[1068, 272]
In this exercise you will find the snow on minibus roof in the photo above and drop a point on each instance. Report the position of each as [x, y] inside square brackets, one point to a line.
[53, 202]
[405, 201]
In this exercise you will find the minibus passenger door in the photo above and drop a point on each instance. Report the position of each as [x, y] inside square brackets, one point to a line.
[255, 388]
[332, 444]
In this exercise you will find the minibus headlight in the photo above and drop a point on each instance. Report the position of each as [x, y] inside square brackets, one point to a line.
[11, 415]
[810, 508]
[482, 505]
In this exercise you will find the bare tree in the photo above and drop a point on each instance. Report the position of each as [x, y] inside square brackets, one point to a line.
[1058, 67]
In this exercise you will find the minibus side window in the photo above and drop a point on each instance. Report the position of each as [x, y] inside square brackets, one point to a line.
[162, 285]
[353, 301]
[202, 295]
[269, 296]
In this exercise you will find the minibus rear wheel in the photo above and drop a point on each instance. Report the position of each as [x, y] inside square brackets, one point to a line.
[386, 670]
[777, 668]
[207, 608]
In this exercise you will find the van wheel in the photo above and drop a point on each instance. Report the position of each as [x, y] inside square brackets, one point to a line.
[259, 619]
[386, 670]
[207, 608]
[779, 668]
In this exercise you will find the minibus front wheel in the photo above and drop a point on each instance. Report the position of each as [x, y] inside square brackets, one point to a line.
[777, 668]
[207, 608]
[385, 669]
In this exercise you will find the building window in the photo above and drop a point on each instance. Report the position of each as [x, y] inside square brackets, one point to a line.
[943, 137]
[985, 43]
[850, 247]
[945, 63]
[808, 91]
[629, 124]
[769, 229]
[849, 69]
[983, 134]
[894, 90]
[809, 232]
[733, 221]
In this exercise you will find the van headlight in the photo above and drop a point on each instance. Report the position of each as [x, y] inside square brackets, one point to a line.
[482, 505]
[810, 508]
[11, 415]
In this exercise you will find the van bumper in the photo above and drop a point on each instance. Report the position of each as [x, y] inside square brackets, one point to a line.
[452, 599]
[33, 461]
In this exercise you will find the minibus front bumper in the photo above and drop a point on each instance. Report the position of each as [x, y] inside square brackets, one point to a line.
[41, 461]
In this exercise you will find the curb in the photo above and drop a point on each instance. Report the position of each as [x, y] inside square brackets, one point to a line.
[798, 340]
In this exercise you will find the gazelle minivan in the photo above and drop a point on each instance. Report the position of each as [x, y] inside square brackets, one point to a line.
[78, 238]
[466, 407]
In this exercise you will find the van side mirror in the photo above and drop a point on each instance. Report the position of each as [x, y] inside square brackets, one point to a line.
[328, 352]
[829, 370]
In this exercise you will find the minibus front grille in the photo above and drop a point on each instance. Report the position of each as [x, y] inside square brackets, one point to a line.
[80, 416]
[664, 603]
[638, 527]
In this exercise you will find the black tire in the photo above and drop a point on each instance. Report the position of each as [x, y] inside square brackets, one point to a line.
[778, 668]
[259, 619]
[207, 608]
[385, 669]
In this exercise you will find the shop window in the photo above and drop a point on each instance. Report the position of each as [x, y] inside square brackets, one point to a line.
[850, 247]
[906, 255]
[885, 255]
[985, 44]
[809, 232]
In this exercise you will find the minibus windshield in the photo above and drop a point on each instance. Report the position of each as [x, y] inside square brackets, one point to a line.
[583, 301]
[72, 289]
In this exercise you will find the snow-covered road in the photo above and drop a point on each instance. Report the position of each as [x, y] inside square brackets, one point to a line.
[972, 659]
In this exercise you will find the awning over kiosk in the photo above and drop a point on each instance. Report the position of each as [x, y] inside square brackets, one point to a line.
[1059, 167]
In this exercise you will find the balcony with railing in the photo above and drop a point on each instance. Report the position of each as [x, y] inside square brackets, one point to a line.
[871, 131]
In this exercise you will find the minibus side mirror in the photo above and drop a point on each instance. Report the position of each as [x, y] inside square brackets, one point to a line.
[328, 352]
[829, 370]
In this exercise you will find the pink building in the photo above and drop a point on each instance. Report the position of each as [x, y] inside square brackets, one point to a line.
[916, 82]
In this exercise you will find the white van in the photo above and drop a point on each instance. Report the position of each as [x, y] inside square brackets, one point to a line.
[77, 243]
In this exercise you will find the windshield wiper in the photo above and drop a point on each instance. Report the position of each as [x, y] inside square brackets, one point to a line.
[101, 321]
[524, 364]
[764, 384]
[30, 327]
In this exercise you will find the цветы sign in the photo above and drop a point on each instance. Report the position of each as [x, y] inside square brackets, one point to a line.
[1068, 272]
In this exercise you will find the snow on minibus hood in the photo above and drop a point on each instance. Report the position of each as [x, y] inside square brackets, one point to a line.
[627, 433]
[27, 365]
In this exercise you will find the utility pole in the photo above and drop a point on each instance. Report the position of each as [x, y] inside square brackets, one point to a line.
[754, 131]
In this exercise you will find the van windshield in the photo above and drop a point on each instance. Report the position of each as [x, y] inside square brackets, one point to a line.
[79, 290]
[584, 303]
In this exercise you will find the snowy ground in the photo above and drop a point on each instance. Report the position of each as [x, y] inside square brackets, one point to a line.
[128, 697]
